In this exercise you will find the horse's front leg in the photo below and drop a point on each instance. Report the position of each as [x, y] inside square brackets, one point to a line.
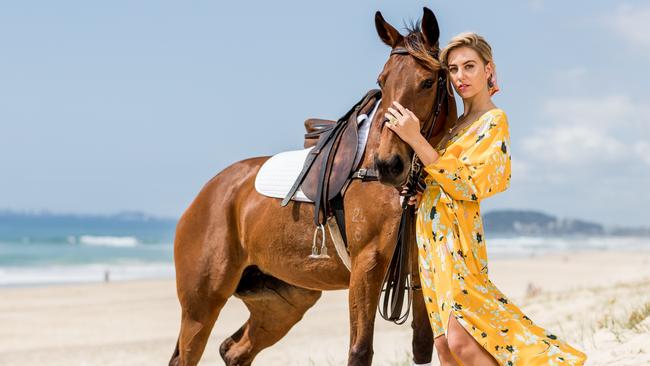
[367, 273]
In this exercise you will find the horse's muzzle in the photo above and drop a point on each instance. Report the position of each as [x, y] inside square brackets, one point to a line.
[390, 171]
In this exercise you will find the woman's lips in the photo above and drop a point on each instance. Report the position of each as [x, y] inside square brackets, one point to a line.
[462, 86]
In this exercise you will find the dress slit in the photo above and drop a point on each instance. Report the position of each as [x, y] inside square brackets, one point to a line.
[464, 324]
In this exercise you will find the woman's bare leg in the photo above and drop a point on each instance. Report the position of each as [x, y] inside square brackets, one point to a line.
[465, 347]
[444, 353]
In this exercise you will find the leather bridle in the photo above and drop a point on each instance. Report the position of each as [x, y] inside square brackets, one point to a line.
[428, 127]
[370, 174]
[398, 277]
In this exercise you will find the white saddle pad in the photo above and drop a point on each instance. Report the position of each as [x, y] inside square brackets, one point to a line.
[277, 175]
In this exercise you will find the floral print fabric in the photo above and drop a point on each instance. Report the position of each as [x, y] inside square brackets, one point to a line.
[452, 253]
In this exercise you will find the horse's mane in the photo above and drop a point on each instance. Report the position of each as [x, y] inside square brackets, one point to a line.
[419, 49]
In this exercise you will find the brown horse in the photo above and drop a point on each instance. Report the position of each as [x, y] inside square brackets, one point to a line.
[234, 241]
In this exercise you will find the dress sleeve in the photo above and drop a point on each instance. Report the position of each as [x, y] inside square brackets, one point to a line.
[478, 166]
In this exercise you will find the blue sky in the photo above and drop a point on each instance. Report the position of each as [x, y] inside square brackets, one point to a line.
[127, 105]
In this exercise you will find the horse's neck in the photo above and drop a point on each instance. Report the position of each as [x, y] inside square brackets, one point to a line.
[450, 117]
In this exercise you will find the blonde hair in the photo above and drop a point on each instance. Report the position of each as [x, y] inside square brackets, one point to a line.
[473, 41]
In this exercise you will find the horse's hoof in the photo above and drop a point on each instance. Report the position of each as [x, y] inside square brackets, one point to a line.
[225, 346]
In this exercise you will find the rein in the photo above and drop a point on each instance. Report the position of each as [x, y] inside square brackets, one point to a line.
[398, 277]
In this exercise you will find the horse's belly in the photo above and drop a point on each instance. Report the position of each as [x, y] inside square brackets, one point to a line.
[279, 241]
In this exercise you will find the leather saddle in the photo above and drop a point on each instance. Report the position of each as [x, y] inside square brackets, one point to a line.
[331, 162]
[315, 128]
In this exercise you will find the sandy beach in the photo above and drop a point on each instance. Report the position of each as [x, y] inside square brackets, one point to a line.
[599, 301]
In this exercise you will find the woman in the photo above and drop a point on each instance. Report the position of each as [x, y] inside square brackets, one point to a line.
[473, 322]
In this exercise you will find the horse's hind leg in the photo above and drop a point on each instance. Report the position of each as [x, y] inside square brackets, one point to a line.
[197, 320]
[275, 307]
[196, 325]
[203, 289]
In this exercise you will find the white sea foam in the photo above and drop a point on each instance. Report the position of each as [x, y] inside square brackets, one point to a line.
[131, 269]
[108, 241]
[527, 245]
[46, 275]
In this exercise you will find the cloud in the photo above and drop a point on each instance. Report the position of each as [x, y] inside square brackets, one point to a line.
[631, 23]
[536, 5]
[591, 130]
[608, 112]
[520, 169]
[573, 145]
[642, 148]
[571, 78]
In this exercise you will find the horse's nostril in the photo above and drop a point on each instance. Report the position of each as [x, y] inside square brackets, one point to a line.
[381, 167]
[390, 168]
[396, 166]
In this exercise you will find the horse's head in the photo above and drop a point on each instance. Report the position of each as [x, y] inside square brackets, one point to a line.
[410, 76]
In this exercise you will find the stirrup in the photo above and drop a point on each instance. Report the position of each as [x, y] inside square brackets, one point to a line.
[314, 247]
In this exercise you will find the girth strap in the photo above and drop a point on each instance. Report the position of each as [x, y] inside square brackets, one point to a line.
[337, 208]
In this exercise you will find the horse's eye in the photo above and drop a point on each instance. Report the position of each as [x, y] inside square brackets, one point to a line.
[427, 84]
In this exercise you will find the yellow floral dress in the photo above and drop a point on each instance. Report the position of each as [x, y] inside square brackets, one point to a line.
[452, 256]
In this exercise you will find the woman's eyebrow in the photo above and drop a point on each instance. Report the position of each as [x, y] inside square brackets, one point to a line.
[464, 63]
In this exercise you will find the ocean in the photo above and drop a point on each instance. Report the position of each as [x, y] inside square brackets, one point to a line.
[54, 249]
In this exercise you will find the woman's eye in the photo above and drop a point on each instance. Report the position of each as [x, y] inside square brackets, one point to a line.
[470, 66]
[378, 84]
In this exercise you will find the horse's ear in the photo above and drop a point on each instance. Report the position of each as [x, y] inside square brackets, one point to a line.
[387, 33]
[430, 29]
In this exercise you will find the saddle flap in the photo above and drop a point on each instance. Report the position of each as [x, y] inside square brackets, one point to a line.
[330, 163]
[340, 161]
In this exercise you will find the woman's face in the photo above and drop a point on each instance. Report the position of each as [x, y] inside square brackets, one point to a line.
[468, 72]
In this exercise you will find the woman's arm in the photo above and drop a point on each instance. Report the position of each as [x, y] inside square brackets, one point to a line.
[427, 154]
[475, 169]
[464, 172]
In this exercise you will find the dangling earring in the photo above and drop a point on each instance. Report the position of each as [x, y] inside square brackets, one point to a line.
[490, 83]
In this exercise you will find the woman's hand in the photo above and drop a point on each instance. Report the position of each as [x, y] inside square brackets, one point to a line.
[403, 122]
[413, 200]
[407, 126]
